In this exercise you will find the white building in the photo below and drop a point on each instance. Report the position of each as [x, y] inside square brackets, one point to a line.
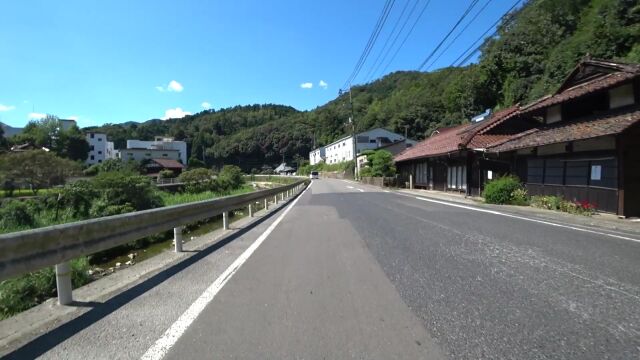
[99, 148]
[142, 154]
[317, 155]
[342, 150]
[160, 143]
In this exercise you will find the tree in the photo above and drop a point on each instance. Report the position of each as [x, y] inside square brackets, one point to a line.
[197, 180]
[49, 133]
[379, 163]
[37, 169]
[229, 178]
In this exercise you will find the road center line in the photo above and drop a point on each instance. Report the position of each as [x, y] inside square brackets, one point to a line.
[522, 218]
[162, 346]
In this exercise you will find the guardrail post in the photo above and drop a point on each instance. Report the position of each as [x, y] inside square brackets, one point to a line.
[275, 199]
[63, 283]
[225, 220]
[250, 210]
[411, 181]
[266, 204]
[177, 238]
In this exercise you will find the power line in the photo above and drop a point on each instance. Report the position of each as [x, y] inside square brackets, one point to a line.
[455, 62]
[464, 15]
[372, 39]
[406, 36]
[460, 33]
[384, 47]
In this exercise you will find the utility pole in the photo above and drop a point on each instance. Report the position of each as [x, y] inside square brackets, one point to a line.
[353, 137]
[405, 131]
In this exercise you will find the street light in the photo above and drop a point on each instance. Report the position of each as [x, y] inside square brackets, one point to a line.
[353, 131]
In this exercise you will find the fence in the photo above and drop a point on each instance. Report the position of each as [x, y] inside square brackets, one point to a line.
[382, 181]
[31, 250]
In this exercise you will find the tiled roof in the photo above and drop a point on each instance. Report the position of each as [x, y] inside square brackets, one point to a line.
[445, 141]
[601, 83]
[483, 126]
[169, 163]
[586, 128]
[485, 140]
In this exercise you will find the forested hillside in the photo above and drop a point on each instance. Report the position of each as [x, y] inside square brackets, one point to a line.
[533, 51]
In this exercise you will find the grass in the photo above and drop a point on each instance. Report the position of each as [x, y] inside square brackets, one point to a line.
[183, 198]
[26, 192]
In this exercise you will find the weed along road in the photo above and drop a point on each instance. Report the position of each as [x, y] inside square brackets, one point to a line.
[351, 271]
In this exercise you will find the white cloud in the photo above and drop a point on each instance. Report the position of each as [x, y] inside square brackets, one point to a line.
[323, 84]
[306, 85]
[173, 86]
[205, 105]
[176, 113]
[6, 107]
[73, 117]
[36, 116]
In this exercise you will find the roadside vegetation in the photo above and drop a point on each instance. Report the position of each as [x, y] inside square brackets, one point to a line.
[379, 164]
[346, 166]
[508, 190]
[107, 193]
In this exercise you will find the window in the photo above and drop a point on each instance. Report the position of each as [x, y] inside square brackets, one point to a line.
[99, 161]
[92, 158]
[99, 152]
[457, 177]
[165, 155]
[99, 139]
[372, 141]
[92, 148]
[147, 154]
[92, 135]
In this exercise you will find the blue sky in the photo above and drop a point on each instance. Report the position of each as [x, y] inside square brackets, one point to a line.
[123, 60]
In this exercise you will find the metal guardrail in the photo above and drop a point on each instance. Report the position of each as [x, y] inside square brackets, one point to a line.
[31, 250]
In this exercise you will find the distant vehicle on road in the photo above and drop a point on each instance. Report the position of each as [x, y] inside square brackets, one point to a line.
[314, 175]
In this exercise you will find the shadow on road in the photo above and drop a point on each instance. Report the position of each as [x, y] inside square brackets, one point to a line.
[51, 339]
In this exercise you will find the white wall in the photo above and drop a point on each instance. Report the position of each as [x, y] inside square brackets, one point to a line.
[141, 154]
[162, 143]
[97, 148]
[342, 149]
[317, 156]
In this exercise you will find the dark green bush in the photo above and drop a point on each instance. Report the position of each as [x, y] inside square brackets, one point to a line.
[197, 180]
[502, 190]
[229, 178]
[16, 214]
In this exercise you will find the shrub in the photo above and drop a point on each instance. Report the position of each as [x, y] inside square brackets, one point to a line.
[502, 190]
[520, 197]
[166, 174]
[229, 178]
[16, 214]
[551, 202]
[121, 188]
[195, 163]
[197, 180]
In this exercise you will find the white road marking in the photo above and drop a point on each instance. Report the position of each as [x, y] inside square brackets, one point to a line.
[350, 187]
[162, 346]
[523, 218]
[387, 191]
[360, 190]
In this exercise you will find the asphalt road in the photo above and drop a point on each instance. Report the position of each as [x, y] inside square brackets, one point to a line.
[355, 272]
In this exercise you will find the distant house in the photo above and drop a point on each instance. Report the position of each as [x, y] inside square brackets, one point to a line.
[342, 149]
[154, 166]
[316, 156]
[451, 158]
[147, 154]
[161, 143]
[99, 148]
[27, 147]
[284, 169]
[580, 143]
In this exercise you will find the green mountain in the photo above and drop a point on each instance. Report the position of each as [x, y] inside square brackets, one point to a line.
[535, 48]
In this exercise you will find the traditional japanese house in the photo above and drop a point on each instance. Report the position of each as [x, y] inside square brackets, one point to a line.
[585, 142]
